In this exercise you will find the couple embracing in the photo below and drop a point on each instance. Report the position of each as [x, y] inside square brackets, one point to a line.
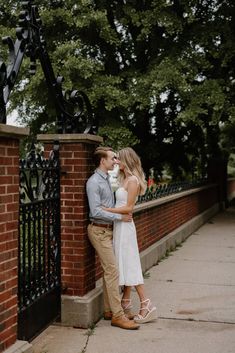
[113, 235]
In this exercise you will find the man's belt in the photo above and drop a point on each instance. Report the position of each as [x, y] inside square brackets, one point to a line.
[102, 225]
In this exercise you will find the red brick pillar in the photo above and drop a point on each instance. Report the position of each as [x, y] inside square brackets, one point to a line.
[9, 215]
[77, 254]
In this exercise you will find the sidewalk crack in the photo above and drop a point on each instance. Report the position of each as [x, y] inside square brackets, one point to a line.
[89, 333]
[197, 320]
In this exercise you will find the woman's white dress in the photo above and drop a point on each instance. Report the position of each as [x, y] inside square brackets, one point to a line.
[126, 247]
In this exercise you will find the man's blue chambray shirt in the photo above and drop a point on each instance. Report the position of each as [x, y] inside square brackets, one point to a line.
[99, 193]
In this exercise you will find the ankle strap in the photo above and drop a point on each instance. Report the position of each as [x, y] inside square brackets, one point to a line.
[146, 300]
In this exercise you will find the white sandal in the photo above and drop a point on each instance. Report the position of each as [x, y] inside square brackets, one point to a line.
[150, 315]
[127, 306]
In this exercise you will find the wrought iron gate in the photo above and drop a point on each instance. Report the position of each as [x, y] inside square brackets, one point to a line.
[39, 243]
[39, 219]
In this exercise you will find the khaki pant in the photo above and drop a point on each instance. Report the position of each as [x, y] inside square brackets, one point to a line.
[102, 241]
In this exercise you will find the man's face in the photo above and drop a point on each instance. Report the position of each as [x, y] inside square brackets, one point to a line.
[110, 161]
[121, 165]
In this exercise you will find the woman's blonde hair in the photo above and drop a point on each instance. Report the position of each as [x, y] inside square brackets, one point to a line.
[132, 165]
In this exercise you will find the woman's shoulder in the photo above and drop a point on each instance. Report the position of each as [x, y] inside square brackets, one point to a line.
[134, 179]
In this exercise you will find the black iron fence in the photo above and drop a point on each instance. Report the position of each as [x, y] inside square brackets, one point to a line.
[39, 242]
[161, 190]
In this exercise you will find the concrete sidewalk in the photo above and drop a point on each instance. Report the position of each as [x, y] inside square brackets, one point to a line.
[194, 291]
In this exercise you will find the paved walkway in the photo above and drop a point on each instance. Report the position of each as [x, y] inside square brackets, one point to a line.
[194, 290]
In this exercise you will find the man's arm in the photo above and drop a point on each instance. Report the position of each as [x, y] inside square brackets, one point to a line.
[95, 205]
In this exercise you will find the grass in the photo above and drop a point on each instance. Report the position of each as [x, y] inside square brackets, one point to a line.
[146, 275]
[170, 251]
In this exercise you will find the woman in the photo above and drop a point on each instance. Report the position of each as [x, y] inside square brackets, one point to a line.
[132, 183]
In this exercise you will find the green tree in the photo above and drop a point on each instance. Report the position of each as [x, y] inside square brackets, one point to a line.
[164, 70]
[117, 137]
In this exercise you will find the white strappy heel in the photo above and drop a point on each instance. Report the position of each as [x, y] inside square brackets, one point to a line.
[150, 315]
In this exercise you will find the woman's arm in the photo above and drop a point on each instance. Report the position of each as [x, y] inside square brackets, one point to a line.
[132, 190]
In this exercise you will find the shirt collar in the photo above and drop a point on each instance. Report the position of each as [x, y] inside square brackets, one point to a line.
[101, 173]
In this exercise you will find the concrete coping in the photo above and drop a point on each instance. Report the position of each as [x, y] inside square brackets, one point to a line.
[165, 199]
[69, 138]
[20, 347]
[13, 131]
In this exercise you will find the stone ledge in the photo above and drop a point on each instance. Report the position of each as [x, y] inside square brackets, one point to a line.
[84, 311]
[13, 131]
[69, 138]
[20, 347]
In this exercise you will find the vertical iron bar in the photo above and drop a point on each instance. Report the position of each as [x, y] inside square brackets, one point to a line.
[29, 253]
[23, 255]
[39, 249]
[34, 252]
[48, 247]
[44, 246]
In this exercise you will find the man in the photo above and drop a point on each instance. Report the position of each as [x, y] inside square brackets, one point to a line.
[100, 233]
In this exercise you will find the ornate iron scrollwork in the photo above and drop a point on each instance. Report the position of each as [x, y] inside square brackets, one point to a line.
[73, 109]
[39, 177]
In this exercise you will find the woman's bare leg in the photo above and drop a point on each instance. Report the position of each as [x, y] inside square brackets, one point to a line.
[126, 298]
[126, 302]
[141, 292]
[142, 296]
[126, 292]
[146, 306]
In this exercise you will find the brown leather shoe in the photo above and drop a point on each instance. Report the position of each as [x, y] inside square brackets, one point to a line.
[130, 315]
[108, 315]
[125, 323]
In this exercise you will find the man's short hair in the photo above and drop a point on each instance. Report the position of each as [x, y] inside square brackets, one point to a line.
[101, 152]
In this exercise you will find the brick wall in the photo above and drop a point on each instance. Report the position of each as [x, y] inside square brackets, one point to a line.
[154, 223]
[77, 254]
[78, 269]
[9, 196]
[9, 208]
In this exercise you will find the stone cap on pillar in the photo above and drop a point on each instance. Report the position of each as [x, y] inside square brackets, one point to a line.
[70, 138]
[13, 131]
